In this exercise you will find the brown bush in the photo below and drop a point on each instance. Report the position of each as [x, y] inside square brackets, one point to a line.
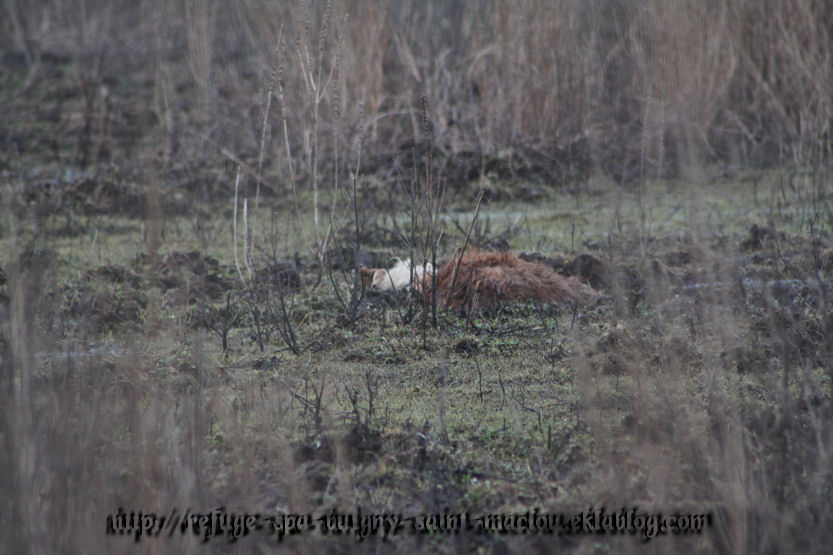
[635, 89]
[480, 278]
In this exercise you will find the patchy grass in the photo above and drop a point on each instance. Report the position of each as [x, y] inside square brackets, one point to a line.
[676, 392]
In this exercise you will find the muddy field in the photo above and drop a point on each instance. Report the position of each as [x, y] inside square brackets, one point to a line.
[183, 326]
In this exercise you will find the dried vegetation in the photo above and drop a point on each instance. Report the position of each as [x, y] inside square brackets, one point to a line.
[188, 189]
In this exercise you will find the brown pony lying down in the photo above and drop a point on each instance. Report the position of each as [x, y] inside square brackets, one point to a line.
[482, 278]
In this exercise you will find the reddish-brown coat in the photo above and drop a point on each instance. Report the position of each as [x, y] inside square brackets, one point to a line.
[484, 278]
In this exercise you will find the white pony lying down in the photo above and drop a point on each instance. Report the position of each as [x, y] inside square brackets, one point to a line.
[398, 277]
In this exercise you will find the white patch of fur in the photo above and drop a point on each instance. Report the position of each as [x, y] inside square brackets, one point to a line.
[399, 277]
